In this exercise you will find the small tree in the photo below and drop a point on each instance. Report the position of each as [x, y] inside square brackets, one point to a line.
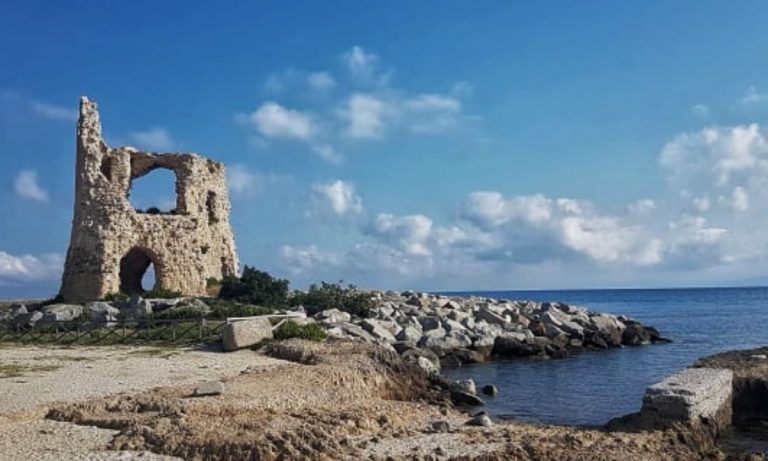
[255, 287]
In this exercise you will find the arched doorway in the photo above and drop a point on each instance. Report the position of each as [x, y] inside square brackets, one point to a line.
[134, 267]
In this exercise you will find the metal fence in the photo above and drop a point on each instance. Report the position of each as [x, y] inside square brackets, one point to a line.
[149, 331]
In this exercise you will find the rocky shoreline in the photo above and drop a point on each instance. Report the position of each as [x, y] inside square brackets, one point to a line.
[450, 331]
[431, 330]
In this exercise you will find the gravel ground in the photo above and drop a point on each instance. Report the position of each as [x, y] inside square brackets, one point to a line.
[50, 375]
[44, 440]
[33, 378]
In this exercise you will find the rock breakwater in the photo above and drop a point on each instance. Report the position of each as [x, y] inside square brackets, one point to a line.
[436, 330]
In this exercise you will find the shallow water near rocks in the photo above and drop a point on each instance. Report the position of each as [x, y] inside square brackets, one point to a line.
[590, 388]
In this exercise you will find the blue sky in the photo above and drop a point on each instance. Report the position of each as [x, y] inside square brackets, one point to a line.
[427, 145]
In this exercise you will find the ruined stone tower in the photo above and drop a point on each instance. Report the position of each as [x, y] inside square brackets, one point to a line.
[112, 245]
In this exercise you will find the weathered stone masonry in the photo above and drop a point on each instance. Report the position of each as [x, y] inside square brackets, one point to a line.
[112, 245]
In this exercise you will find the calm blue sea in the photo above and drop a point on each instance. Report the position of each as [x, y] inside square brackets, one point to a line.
[592, 387]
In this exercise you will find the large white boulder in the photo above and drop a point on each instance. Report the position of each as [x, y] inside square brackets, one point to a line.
[692, 394]
[245, 333]
[333, 316]
[61, 313]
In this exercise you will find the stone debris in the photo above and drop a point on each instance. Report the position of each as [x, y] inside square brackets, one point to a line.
[209, 388]
[465, 385]
[481, 420]
[490, 389]
[112, 245]
[441, 426]
[463, 398]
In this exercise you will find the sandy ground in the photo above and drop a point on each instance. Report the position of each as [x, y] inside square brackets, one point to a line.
[344, 401]
[338, 400]
[32, 379]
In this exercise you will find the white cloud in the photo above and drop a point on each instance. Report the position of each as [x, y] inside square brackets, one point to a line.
[154, 139]
[753, 96]
[432, 113]
[641, 207]
[303, 259]
[28, 268]
[27, 187]
[558, 226]
[328, 153]
[700, 110]
[337, 198]
[275, 121]
[409, 233]
[701, 204]
[246, 183]
[363, 107]
[710, 224]
[321, 81]
[695, 229]
[738, 199]
[53, 112]
[720, 153]
[20, 103]
[364, 66]
[607, 239]
[489, 209]
[365, 115]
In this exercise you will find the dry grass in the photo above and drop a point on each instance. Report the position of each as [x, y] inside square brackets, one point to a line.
[12, 370]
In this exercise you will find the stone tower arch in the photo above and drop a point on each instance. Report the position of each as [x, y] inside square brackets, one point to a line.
[112, 243]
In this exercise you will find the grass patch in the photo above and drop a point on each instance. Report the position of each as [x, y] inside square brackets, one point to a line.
[16, 371]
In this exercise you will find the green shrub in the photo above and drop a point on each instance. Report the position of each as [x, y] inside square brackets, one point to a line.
[160, 293]
[290, 329]
[116, 297]
[212, 286]
[222, 309]
[255, 287]
[333, 295]
[178, 314]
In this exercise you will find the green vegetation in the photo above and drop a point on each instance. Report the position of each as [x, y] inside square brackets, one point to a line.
[181, 313]
[160, 293]
[334, 295]
[212, 284]
[255, 287]
[155, 293]
[222, 308]
[116, 297]
[290, 329]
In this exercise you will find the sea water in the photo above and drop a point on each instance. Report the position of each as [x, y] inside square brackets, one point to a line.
[591, 387]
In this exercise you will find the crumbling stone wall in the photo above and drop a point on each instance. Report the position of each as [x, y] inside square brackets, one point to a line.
[112, 245]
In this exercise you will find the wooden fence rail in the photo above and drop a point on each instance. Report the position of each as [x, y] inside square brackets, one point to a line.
[149, 331]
